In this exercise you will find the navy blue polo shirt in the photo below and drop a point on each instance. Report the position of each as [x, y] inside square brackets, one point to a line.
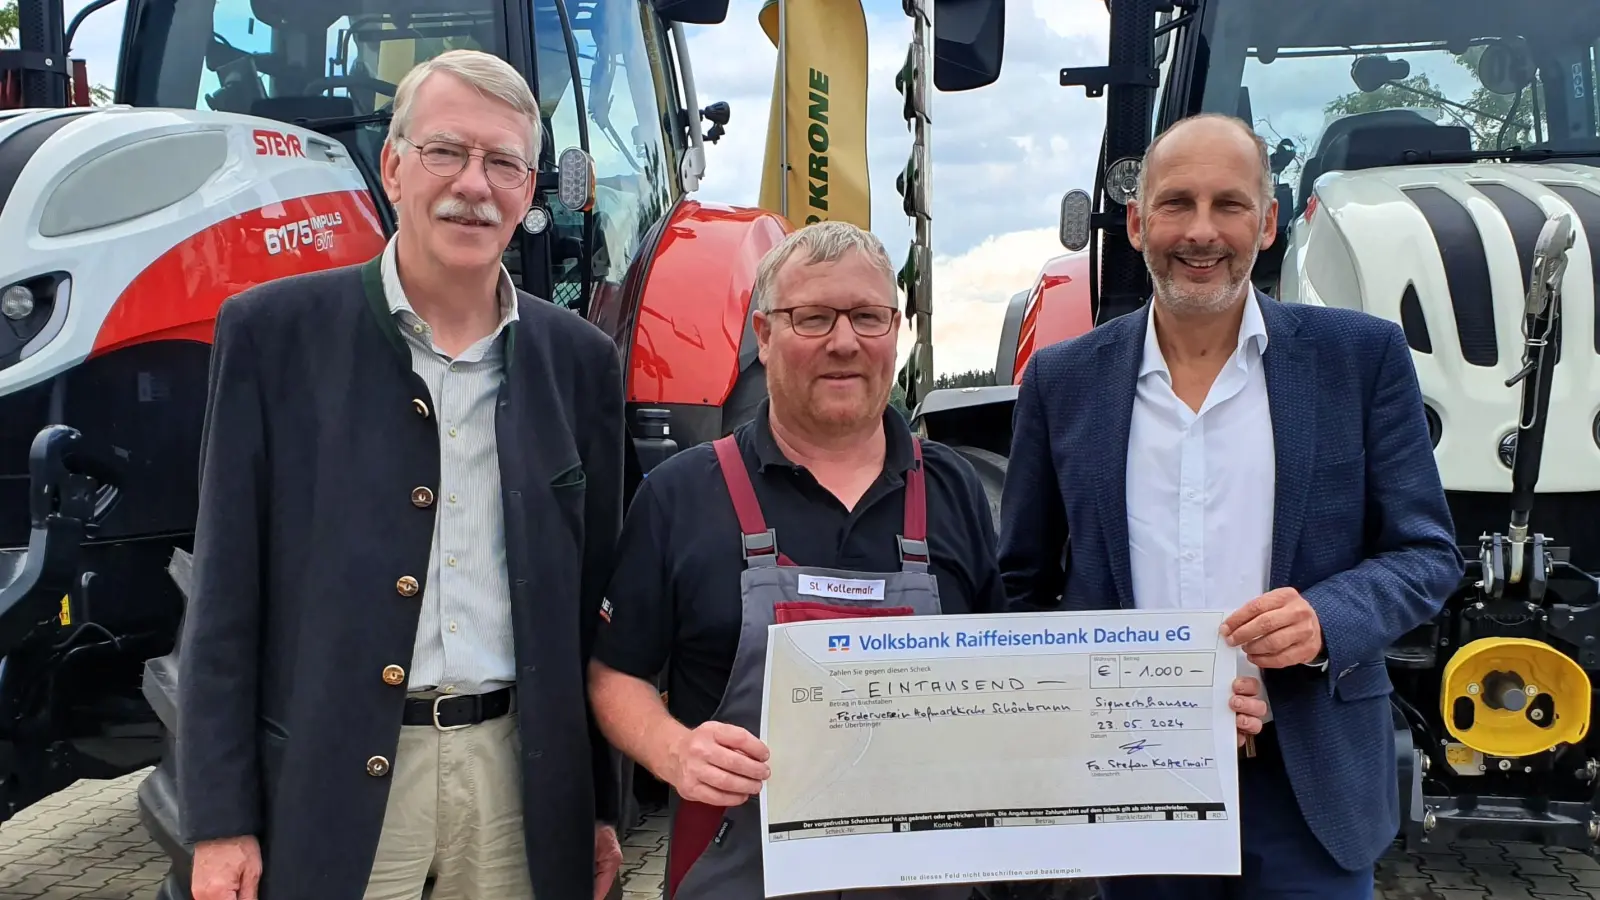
[675, 594]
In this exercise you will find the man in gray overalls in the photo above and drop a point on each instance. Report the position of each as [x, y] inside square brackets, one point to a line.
[825, 478]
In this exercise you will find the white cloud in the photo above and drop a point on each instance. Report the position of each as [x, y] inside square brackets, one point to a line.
[971, 291]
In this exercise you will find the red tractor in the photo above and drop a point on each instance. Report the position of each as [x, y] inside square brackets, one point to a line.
[243, 147]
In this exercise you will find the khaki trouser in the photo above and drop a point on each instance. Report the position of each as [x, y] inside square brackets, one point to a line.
[453, 827]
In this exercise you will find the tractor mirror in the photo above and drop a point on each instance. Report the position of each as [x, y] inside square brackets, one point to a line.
[575, 182]
[969, 39]
[1075, 218]
[692, 12]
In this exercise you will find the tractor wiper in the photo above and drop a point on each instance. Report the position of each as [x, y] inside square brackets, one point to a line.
[1510, 154]
[333, 124]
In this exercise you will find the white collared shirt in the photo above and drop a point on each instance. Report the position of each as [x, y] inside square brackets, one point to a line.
[463, 643]
[1201, 486]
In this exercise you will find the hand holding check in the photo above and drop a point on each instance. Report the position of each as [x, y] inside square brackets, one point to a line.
[718, 763]
[1277, 629]
[1248, 708]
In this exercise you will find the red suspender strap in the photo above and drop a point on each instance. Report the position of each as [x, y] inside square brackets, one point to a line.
[745, 504]
[916, 497]
[916, 527]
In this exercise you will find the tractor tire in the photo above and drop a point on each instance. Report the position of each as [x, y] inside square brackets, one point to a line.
[991, 471]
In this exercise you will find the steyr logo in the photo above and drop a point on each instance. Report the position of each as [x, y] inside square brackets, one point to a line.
[276, 143]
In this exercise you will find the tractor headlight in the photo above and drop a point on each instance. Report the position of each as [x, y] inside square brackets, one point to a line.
[32, 312]
[17, 302]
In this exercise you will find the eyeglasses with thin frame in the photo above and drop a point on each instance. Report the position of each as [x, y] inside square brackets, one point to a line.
[819, 321]
[448, 159]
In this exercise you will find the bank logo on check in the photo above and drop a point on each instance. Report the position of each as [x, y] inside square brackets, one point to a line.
[838, 643]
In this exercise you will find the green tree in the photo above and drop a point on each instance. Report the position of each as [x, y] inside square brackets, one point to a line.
[974, 378]
[10, 21]
[1486, 115]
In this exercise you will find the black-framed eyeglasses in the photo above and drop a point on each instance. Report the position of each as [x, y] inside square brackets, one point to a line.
[448, 159]
[817, 321]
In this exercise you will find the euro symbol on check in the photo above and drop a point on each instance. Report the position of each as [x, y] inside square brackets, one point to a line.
[1105, 670]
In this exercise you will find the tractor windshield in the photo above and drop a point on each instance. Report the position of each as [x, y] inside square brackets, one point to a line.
[1510, 74]
[291, 59]
[621, 111]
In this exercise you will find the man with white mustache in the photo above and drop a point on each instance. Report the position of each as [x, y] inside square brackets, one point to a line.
[1219, 449]
[411, 491]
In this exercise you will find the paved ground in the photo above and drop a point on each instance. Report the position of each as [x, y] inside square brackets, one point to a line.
[87, 843]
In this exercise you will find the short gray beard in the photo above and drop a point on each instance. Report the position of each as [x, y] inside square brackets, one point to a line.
[1199, 300]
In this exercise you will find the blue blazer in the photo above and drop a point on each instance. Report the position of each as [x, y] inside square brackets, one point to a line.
[1360, 529]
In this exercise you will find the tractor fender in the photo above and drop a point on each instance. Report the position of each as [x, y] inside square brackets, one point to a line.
[1055, 308]
[683, 319]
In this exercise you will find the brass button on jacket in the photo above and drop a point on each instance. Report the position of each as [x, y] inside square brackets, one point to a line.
[377, 767]
[421, 497]
[393, 674]
[407, 586]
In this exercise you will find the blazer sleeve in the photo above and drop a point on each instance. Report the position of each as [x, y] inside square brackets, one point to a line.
[218, 781]
[1413, 562]
[604, 451]
[1033, 523]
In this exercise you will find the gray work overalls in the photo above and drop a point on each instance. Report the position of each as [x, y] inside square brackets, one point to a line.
[715, 852]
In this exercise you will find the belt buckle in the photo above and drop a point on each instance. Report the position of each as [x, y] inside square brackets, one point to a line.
[437, 724]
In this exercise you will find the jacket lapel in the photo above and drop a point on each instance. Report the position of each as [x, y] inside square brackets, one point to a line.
[1291, 372]
[1120, 352]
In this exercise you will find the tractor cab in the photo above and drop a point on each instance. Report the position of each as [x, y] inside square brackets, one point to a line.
[606, 73]
[1374, 85]
[1353, 87]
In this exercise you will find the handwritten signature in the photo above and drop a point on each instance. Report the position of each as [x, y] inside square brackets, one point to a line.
[1137, 746]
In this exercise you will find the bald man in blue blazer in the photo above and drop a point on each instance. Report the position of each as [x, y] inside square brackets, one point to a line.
[1219, 449]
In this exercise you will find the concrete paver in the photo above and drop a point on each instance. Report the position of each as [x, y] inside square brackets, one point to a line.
[86, 843]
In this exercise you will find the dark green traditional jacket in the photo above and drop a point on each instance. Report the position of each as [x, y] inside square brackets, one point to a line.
[309, 564]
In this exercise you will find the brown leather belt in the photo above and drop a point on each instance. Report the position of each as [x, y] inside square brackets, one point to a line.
[448, 712]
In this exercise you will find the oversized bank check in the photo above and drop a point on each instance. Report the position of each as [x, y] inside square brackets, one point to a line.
[945, 749]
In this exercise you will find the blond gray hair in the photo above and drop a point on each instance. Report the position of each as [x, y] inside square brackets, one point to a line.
[1269, 186]
[822, 242]
[491, 75]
